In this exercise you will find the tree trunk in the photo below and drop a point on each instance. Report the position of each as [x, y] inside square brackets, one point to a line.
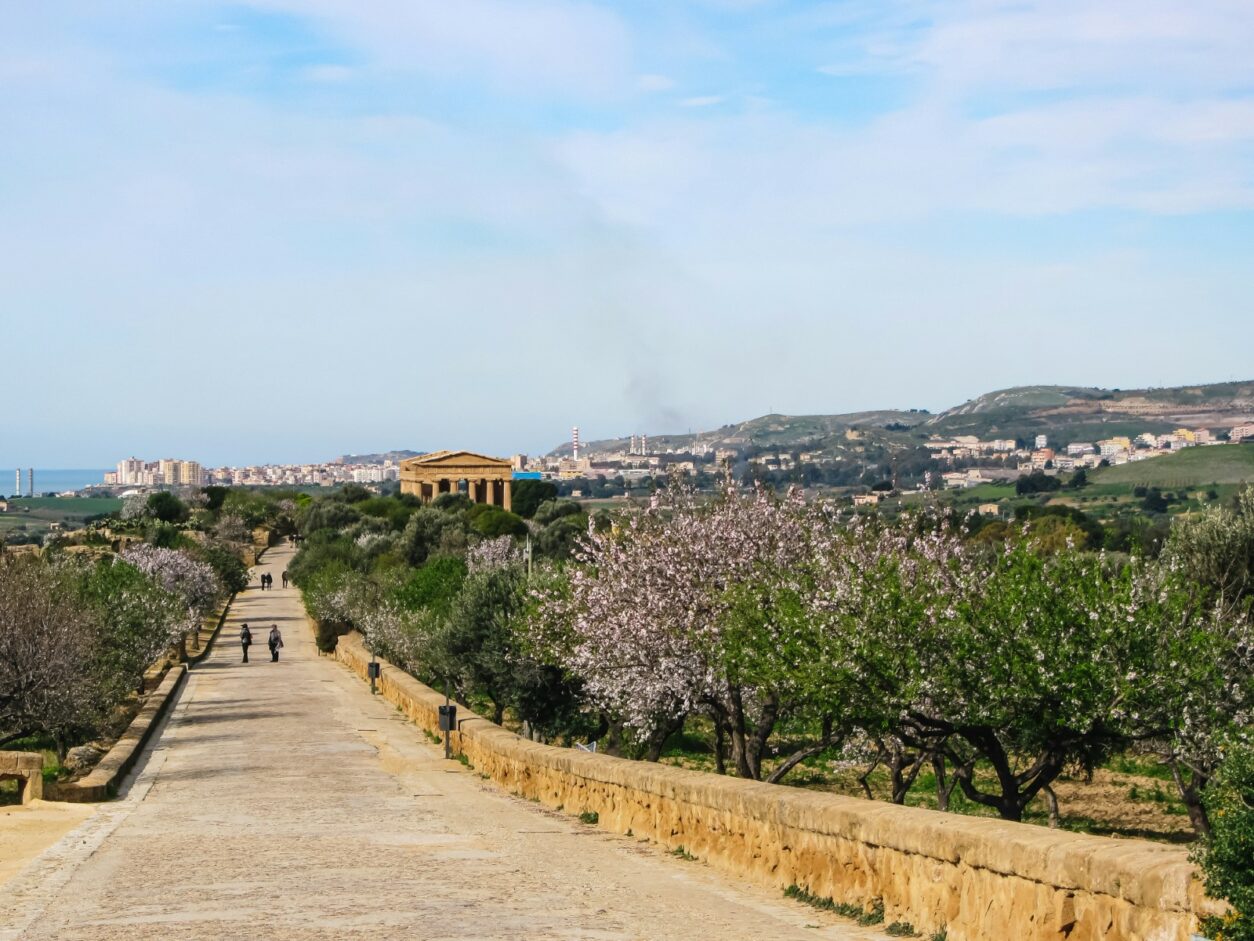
[1191, 794]
[739, 745]
[902, 770]
[944, 788]
[864, 778]
[657, 741]
[1051, 801]
[1016, 790]
[614, 739]
[766, 725]
[720, 744]
[824, 743]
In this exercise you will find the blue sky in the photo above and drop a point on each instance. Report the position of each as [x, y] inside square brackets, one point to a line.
[284, 230]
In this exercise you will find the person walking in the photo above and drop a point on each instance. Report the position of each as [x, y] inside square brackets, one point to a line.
[285, 578]
[276, 641]
[245, 640]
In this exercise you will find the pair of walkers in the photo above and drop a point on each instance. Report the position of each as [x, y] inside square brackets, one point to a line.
[267, 581]
[275, 641]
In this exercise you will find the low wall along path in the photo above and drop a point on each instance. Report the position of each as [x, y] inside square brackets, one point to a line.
[974, 878]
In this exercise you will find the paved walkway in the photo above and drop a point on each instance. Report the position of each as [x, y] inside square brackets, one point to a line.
[282, 801]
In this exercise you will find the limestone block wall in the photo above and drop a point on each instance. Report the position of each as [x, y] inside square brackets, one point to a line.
[976, 878]
[102, 782]
[28, 768]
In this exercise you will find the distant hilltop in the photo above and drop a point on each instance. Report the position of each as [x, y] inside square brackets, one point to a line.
[380, 458]
[1063, 413]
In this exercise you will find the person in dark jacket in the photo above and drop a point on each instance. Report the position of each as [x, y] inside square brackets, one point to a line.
[275, 641]
[245, 640]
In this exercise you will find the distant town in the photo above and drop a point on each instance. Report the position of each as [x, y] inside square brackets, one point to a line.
[980, 461]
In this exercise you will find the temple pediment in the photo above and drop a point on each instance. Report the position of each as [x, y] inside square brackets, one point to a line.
[454, 460]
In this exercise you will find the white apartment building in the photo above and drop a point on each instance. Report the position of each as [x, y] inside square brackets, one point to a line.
[1242, 431]
[129, 470]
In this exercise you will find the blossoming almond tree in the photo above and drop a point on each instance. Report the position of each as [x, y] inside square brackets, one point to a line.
[1045, 663]
[688, 607]
[195, 583]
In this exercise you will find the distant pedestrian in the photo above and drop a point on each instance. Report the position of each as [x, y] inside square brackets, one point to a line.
[245, 640]
[285, 578]
[275, 641]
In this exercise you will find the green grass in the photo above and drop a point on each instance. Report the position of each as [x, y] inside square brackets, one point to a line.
[863, 916]
[901, 929]
[985, 493]
[1192, 467]
[36, 514]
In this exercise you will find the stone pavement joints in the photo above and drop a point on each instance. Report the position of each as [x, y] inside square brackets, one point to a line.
[282, 801]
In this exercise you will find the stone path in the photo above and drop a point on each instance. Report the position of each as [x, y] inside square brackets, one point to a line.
[282, 801]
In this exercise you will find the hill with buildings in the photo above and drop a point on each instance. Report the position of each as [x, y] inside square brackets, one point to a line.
[1064, 414]
[998, 436]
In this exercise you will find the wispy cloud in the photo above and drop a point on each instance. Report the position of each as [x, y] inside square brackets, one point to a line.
[651, 83]
[701, 101]
[328, 73]
[553, 46]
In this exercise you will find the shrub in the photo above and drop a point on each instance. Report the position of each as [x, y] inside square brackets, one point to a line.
[492, 521]
[166, 507]
[228, 566]
[433, 586]
[1227, 857]
[327, 636]
[529, 494]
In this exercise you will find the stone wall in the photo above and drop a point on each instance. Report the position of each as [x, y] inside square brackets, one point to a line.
[976, 878]
[103, 781]
[27, 768]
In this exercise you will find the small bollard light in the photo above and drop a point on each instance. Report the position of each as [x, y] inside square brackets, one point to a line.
[448, 722]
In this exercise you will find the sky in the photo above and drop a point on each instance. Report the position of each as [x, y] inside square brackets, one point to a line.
[285, 230]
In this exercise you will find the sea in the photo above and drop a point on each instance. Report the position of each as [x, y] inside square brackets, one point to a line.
[52, 480]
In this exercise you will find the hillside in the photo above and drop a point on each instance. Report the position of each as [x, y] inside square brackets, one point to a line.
[376, 458]
[788, 432]
[1071, 413]
[1192, 467]
[1064, 413]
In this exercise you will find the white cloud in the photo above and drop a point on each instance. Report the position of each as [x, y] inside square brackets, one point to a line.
[701, 101]
[330, 74]
[555, 46]
[652, 83]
